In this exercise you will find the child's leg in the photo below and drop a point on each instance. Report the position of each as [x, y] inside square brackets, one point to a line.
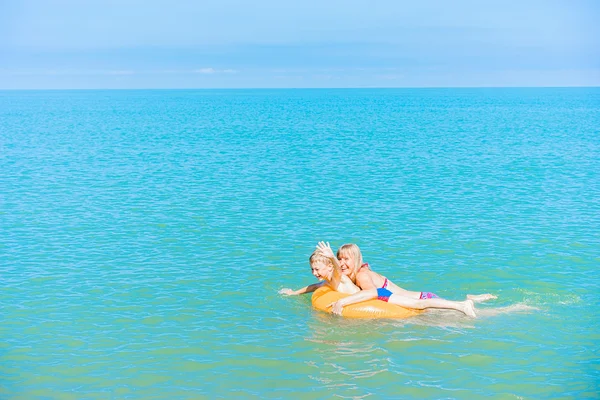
[480, 298]
[465, 307]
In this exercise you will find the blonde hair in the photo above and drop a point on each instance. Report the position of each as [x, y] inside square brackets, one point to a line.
[318, 257]
[352, 250]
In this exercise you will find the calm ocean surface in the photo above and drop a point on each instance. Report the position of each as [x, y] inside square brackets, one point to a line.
[144, 236]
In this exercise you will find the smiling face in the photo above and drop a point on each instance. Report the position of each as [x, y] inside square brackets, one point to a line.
[321, 270]
[321, 266]
[350, 259]
[347, 262]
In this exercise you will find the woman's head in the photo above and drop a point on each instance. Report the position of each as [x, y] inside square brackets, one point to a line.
[350, 259]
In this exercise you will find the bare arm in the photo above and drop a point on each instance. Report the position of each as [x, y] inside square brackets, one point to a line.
[359, 297]
[304, 290]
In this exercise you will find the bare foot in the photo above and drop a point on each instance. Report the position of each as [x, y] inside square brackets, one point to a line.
[469, 308]
[480, 298]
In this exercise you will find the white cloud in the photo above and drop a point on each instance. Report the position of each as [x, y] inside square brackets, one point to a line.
[216, 71]
[389, 77]
[206, 71]
[120, 72]
[115, 72]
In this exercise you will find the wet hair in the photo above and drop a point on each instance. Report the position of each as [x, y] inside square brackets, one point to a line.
[354, 251]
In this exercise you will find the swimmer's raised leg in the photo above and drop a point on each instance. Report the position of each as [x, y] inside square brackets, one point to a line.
[480, 298]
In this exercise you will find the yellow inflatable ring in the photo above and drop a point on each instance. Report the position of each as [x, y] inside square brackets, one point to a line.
[324, 296]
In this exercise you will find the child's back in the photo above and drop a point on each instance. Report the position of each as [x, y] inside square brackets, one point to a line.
[346, 286]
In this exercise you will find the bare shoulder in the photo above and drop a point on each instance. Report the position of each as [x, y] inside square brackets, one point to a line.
[362, 274]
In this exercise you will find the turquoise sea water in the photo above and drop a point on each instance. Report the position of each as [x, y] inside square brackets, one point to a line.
[144, 236]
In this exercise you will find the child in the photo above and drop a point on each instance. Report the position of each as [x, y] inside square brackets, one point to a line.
[327, 270]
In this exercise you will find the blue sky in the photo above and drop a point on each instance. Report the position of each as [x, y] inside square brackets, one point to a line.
[264, 43]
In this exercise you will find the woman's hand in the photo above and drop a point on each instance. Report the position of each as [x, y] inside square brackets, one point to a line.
[336, 307]
[325, 248]
[287, 292]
